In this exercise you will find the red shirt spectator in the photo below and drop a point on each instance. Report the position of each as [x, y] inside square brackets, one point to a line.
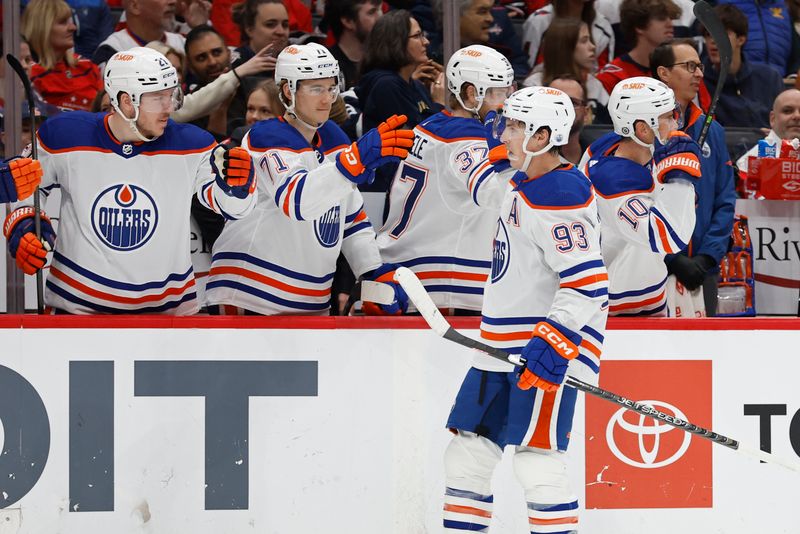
[299, 19]
[69, 87]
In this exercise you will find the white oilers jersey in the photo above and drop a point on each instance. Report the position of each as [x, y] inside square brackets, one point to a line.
[641, 221]
[281, 258]
[537, 23]
[546, 263]
[123, 243]
[434, 226]
[124, 40]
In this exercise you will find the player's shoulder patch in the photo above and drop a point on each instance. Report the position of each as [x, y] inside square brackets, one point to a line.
[561, 189]
[613, 176]
[444, 127]
[332, 137]
[182, 137]
[275, 134]
[601, 146]
[71, 130]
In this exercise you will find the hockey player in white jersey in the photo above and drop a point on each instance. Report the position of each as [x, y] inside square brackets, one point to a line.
[127, 179]
[546, 299]
[643, 175]
[434, 227]
[281, 259]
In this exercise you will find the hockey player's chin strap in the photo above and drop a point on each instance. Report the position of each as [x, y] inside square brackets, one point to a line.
[132, 124]
[292, 113]
[530, 155]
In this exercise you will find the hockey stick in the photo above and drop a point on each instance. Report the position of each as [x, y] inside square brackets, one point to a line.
[416, 292]
[705, 14]
[37, 216]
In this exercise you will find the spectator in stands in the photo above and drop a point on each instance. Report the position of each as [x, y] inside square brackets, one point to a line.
[101, 103]
[25, 56]
[769, 37]
[94, 21]
[678, 65]
[145, 20]
[571, 34]
[61, 77]
[190, 14]
[395, 48]
[504, 38]
[645, 25]
[536, 25]
[262, 23]
[207, 57]
[298, 13]
[351, 21]
[750, 88]
[682, 26]
[574, 89]
[784, 123]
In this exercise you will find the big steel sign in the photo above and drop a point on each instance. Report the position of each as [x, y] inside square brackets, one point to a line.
[633, 461]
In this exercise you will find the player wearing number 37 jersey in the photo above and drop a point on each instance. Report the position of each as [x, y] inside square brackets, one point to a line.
[546, 299]
[434, 226]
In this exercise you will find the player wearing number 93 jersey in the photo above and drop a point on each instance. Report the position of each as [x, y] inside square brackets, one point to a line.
[546, 299]
[644, 174]
[434, 227]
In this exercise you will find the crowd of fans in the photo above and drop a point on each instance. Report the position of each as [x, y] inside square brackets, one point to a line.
[391, 57]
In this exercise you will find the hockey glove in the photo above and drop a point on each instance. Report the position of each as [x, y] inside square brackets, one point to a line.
[381, 145]
[547, 356]
[19, 178]
[679, 159]
[233, 169]
[498, 154]
[385, 274]
[23, 245]
[690, 271]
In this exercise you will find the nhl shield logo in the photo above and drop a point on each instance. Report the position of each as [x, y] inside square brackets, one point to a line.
[127, 149]
[124, 217]
[501, 252]
[327, 228]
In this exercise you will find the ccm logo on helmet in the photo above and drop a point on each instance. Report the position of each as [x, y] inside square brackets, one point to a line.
[633, 86]
[565, 347]
[123, 57]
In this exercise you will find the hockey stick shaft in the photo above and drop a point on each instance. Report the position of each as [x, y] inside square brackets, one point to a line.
[709, 19]
[37, 209]
[416, 292]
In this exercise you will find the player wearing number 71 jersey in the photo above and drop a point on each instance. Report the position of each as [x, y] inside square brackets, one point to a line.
[434, 227]
[643, 174]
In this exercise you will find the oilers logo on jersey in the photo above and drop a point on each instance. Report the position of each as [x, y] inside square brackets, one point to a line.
[124, 217]
[326, 228]
[501, 252]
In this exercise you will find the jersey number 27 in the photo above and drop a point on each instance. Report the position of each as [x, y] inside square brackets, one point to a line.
[417, 178]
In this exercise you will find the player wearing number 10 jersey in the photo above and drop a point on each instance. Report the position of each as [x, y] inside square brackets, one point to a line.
[643, 174]
[434, 227]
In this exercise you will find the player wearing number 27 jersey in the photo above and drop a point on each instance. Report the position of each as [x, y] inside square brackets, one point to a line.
[434, 226]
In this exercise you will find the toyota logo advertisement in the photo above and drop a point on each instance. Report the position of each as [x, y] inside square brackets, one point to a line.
[633, 461]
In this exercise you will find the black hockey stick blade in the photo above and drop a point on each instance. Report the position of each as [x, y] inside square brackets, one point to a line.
[26, 84]
[416, 292]
[709, 19]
